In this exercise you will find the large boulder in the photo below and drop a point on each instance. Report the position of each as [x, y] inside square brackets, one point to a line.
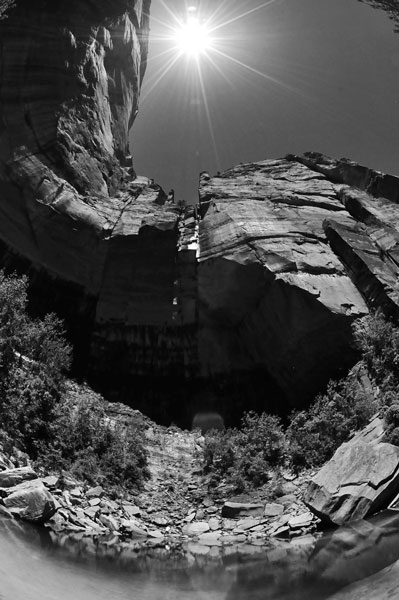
[361, 478]
[30, 501]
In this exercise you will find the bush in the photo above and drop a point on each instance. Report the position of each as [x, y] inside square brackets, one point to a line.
[245, 456]
[391, 418]
[93, 447]
[27, 409]
[220, 453]
[33, 357]
[315, 434]
[378, 340]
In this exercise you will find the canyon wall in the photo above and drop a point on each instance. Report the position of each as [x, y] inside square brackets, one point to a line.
[291, 251]
[245, 301]
[98, 243]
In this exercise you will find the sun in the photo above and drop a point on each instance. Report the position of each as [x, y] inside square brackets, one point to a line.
[206, 37]
[192, 37]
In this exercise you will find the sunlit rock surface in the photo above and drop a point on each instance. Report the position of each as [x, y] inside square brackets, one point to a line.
[361, 478]
[272, 292]
[30, 501]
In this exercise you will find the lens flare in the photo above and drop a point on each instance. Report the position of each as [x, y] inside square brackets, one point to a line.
[208, 35]
[192, 37]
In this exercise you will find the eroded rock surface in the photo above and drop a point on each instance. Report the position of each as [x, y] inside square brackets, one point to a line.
[272, 292]
[361, 478]
[99, 244]
[30, 501]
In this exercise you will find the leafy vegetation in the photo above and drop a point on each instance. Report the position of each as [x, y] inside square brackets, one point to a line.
[347, 406]
[33, 357]
[40, 416]
[378, 339]
[314, 434]
[86, 442]
[246, 456]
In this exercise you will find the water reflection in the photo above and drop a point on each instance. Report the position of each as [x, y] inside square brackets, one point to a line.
[34, 567]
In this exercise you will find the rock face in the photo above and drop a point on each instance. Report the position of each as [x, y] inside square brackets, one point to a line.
[291, 251]
[99, 244]
[29, 500]
[361, 478]
[271, 289]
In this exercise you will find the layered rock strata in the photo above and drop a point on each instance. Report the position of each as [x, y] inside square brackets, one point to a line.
[272, 292]
[291, 251]
[361, 478]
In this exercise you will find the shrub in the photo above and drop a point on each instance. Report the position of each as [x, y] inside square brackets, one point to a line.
[316, 433]
[27, 409]
[391, 418]
[33, 356]
[378, 340]
[93, 447]
[220, 453]
[246, 456]
[346, 406]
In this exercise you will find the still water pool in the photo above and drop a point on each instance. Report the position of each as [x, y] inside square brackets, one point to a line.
[33, 566]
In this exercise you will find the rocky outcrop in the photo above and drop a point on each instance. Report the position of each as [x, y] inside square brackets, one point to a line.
[23, 495]
[30, 501]
[271, 289]
[361, 478]
[291, 251]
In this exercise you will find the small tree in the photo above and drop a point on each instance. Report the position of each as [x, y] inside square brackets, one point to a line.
[246, 456]
[33, 356]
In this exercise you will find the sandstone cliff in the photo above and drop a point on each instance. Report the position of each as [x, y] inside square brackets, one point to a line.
[98, 243]
[291, 251]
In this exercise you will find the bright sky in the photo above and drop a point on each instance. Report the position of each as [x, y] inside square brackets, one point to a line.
[320, 75]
